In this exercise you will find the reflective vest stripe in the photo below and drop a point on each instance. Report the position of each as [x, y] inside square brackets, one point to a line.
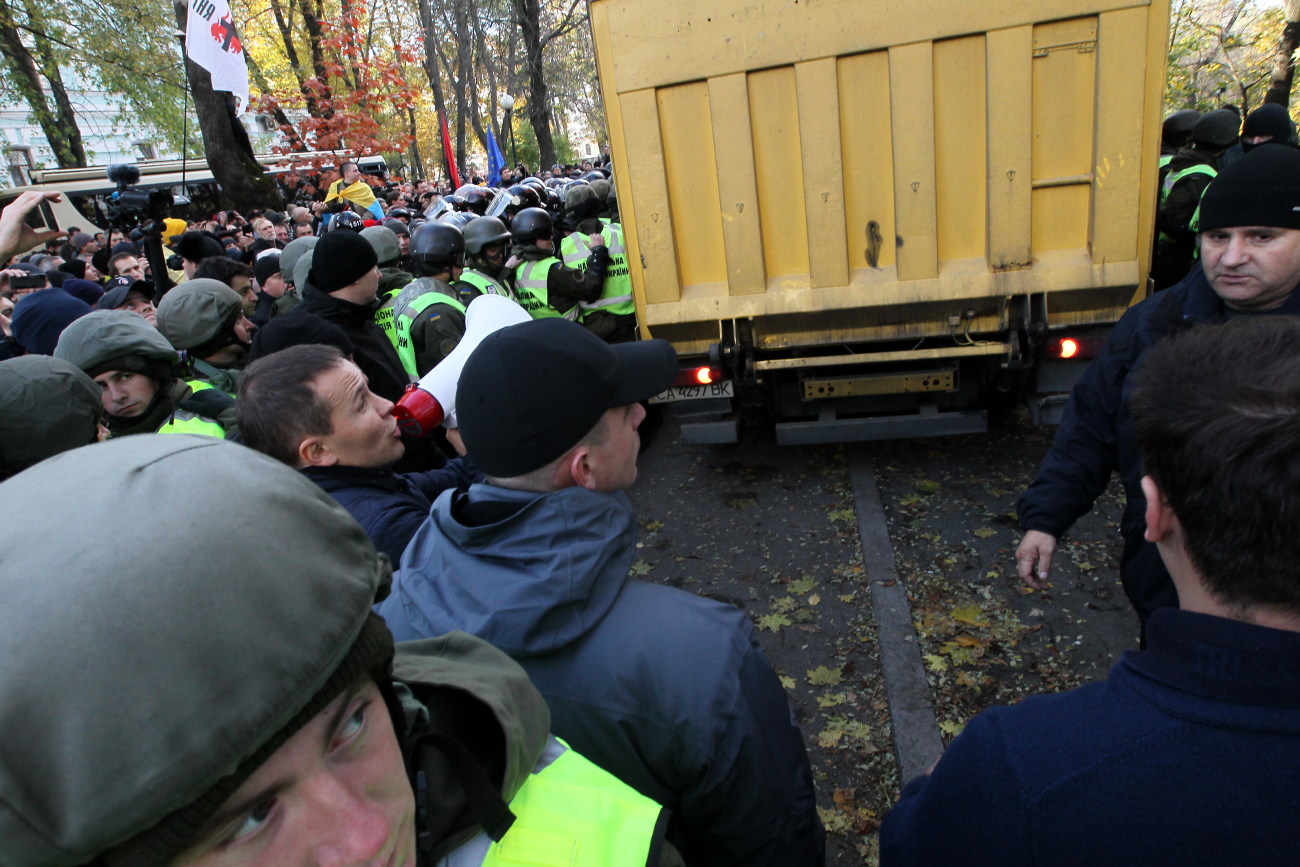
[530, 281]
[484, 283]
[569, 813]
[184, 422]
[1174, 177]
[406, 307]
[616, 294]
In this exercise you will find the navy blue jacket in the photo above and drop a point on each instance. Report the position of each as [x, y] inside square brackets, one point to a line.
[1187, 754]
[1097, 436]
[390, 506]
[668, 691]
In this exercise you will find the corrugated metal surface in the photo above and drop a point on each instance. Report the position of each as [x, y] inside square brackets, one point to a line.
[822, 167]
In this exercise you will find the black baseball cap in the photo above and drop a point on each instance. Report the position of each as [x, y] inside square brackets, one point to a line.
[118, 288]
[530, 392]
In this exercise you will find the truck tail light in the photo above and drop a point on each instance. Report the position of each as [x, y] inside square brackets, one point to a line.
[702, 375]
[1070, 348]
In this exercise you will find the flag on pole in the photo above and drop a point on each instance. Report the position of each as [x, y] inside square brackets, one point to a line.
[452, 172]
[496, 159]
[212, 42]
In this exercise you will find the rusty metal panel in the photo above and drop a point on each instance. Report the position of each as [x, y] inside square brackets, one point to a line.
[864, 385]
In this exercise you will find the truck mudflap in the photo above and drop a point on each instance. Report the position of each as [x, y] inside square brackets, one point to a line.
[715, 421]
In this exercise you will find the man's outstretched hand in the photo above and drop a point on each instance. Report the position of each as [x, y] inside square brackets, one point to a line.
[1034, 558]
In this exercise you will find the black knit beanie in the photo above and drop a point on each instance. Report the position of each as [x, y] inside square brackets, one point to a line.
[340, 259]
[1260, 188]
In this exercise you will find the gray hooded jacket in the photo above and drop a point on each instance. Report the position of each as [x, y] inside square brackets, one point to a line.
[668, 691]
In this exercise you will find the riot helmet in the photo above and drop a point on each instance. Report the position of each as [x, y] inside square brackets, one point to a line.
[482, 232]
[1217, 130]
[1176, 131]
[530, 226]
[437, 246]
[348, 220]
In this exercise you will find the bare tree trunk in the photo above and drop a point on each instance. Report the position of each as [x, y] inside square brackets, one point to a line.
[417, 162]
[431, 58]
[59, 124]
[460, 15]
[244, 182]
[1279, 82]
[528, 14]
[285, 26]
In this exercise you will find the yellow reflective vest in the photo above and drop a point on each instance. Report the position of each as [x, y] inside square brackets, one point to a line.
[616, 294]
[570, 813]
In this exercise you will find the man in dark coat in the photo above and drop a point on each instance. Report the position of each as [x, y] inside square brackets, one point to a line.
[341, 288]
[1206, 720]
[309, 407]
[1250, 265]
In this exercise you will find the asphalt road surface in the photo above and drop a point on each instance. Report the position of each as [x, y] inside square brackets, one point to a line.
[834, 551]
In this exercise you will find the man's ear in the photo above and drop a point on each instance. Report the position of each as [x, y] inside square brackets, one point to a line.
[313, 452]
[1161, 520]
[580, 468]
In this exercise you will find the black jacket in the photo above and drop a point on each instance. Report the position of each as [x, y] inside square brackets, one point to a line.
[1097, 435]
[391, 506]
[372, 350]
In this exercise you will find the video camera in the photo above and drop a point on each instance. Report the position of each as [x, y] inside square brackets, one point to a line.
[131, 206]
[127, 207]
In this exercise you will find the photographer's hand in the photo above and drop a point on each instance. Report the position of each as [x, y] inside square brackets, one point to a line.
[6, 273]
[18, 237]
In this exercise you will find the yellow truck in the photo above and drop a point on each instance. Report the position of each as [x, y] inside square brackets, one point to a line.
[875, 219]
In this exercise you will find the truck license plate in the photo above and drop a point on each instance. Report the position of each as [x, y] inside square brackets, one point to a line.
[695, 392]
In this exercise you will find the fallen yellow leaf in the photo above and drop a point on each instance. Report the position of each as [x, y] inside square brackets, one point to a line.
[970, 614]
[823, 676]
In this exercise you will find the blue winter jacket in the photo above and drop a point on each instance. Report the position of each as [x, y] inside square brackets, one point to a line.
[1187, 755]
[668, 691]
[390, 506]
[1097, 435]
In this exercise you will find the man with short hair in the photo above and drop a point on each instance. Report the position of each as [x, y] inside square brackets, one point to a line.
[237, 275]
[310, 407]
[351, 189]
[1249, 265]
[668, 691]
[226, 698]
[126, 265]
[1206, 720]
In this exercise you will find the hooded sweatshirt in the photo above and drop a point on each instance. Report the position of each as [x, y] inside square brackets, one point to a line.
[668, 691]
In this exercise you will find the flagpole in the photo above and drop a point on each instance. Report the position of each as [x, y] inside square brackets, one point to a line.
[185, 108]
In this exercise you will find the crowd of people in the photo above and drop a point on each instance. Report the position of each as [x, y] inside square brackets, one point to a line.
[298, 633]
